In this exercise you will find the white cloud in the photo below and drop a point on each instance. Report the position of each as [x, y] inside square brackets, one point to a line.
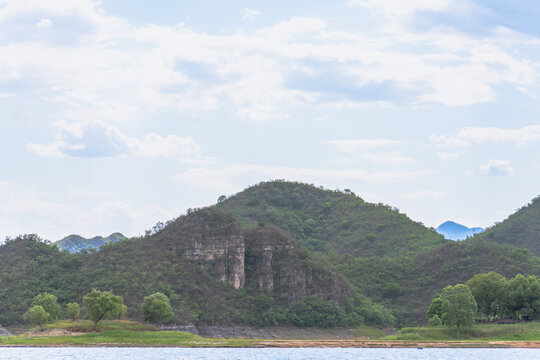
[234, 177]
[496, 168]
[390, 158]
[447, 155]
[105, 61]
[399, 7]
[420, 194]
[44, 24]
[352, 146]
[478, 136]
[250, 14]
[24, 210]
[97, 139]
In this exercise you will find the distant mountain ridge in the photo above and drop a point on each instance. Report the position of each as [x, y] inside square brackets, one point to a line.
[454, 231]
[76, 243]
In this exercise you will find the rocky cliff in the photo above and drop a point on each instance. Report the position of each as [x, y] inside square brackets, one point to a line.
[213, 240]
[275, 265]
[265, 257]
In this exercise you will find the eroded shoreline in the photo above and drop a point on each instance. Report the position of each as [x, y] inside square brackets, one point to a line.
[319, 344]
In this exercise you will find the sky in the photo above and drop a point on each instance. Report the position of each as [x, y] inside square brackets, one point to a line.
[117, 114]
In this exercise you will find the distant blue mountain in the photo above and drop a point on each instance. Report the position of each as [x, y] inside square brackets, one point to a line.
[455, 231]
[76, 243]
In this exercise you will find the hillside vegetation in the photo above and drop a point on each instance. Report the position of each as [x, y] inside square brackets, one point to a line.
[521, 229]
[276, 253]
[325, 220]
[406, 285]
[305, 291]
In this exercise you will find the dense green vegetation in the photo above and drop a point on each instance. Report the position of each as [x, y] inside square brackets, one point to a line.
[406, 285]
[326, 220]
[521, 229]
[139, 267]
[517, 298]
[336, 261]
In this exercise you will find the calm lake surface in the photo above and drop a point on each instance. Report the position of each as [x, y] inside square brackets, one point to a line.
[263, 354]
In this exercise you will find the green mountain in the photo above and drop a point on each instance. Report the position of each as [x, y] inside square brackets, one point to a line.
[213, 270]
[76, 243]
[325, 220]
[406, 285]
[521, 229]
[395, 261]
[276, 253]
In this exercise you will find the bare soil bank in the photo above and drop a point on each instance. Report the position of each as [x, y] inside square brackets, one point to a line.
[395, 344]
[333, 344]
[274, 332]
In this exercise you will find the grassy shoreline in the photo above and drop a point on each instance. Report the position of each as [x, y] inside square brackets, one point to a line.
[133, 334]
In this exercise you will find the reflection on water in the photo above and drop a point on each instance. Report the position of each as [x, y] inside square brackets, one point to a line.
[263, 354]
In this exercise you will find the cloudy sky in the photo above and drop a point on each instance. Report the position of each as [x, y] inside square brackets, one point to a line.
[120, 113]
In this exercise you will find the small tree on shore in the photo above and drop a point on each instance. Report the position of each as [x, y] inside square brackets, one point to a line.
[104, 305]
[49, 303]
[488, 290]
[73, 311]
[37, 316]
[157, 309]
[458, 306]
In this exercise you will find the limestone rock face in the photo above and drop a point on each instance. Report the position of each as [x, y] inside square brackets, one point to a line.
[213, 240]
[265, 258]
[274, 265]
[4, 332]
[222, 254]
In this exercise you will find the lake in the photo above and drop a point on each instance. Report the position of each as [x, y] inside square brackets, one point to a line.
[262, 354]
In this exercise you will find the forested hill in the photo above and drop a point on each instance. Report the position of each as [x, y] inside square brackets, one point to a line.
[243, 261]
[327, 220]
[521, 229]
[213, 270]
[406, 285]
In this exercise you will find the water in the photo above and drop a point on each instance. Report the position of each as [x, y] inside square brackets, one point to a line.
[263, 354]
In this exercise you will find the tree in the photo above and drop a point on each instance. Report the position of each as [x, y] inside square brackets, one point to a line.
[221, 199]
[522, 297]
[156, 308]
[458, 306]
[487, 290]
[73, 311]
[435, 309]
[49, 303]
[315, 312]
[37, 315]
[103, 305]
[435, 320]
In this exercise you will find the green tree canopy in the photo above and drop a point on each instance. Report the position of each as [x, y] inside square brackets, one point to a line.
[458, 306]
[487, 290]
[49, 303]
[156, 308]
[435, 320]
[103, 305]
[522, 296]
[37, 315]
[73, 311]
[435, 308]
